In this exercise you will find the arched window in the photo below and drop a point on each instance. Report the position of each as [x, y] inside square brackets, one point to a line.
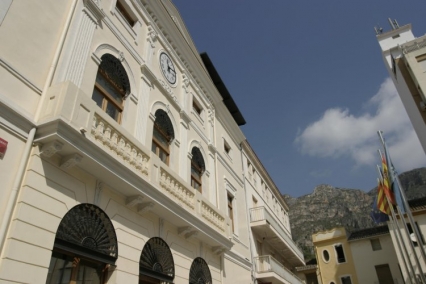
[156, 264]
[199, 272]
[111, 87]
[85, 246]
[162, 136]
[197, 168]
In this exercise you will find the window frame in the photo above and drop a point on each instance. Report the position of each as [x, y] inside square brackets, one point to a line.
[336, 246]
[108, 98]
[323, 255]
[105, 78]
[195, 179]
[123, 10]
[375, 244]
[159, 145]
[346, 276]
[230, 205]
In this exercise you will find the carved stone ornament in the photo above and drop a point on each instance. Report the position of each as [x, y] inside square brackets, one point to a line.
[134, 200]
[145, 207]
[70, 161]
[152, 36]
[49, 149]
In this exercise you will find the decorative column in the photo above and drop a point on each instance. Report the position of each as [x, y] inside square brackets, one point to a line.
[145, 89]
[90, 18]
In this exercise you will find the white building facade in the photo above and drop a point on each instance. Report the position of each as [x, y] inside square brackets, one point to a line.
[120, 159]
[275, 255]
[405, 59]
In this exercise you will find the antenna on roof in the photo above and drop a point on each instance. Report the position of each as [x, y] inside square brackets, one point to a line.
[394, 24]
[378, 29]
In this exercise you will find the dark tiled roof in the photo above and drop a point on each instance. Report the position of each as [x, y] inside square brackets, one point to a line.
[417, 204]
[370, 232]
[226, 96]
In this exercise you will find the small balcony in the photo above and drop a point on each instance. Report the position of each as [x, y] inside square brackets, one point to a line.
[74, 131]
[269, 270]
[265, 225]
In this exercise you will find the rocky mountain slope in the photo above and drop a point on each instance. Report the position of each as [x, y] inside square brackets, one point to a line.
[328, 207]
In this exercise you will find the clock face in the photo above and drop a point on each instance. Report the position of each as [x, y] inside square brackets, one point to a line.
[168, 68]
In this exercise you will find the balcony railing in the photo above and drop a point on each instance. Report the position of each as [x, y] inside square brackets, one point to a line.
[267, 263]
[261, 214]
[115, 142]
[407, 48]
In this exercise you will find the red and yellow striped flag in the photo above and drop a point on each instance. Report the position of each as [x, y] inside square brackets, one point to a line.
[386, 185]
[382, 202]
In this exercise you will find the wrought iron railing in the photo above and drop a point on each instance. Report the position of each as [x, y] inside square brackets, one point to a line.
[266, 263]
[260, 213]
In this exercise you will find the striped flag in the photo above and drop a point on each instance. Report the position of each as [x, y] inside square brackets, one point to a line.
[382, 202]
[392, 181]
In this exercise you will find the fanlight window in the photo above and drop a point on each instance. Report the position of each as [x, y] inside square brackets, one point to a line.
[163, 135]
[197, 169]
[111, 87]
[156, 264]
[85, 246]
[199, 272]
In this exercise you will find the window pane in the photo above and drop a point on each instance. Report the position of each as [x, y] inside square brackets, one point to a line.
[59, 271]
[163, 156]
[112, 91]
[88, 274]
[98, 97]
[112, 111]
[196, 173]
[161, 138]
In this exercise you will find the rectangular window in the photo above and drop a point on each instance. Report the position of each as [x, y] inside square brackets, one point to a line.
[124, 11]
[231, 210]
[226, 147]
[196, 107]
[375, 244]
[340, 253]
[346, 280]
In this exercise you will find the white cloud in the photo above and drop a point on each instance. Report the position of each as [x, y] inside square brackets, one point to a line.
[338, 133]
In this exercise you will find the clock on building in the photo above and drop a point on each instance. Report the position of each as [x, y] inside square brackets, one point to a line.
[168, 68]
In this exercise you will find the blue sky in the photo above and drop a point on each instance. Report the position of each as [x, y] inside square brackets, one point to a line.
[309, 78]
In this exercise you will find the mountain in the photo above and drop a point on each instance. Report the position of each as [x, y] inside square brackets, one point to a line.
[328, 207]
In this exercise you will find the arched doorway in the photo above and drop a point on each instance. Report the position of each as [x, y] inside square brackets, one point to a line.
[85, 247]
[199, 272]
[156, 263]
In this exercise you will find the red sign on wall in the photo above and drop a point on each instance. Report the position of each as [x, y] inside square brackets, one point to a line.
[3, 147]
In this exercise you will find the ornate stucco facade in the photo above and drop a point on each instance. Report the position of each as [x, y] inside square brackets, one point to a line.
[122, 158]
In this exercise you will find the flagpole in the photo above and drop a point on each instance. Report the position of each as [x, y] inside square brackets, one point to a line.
[398, 236]
[408, 212]
[411, 246]
[403, 254]
[410, 217]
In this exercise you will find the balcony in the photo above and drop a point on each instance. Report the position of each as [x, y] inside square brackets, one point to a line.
[74, 131]
[269, 270]
[265, 225]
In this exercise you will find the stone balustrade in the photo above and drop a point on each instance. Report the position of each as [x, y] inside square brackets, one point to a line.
[212, 215]
[179, 193]
[112, 140]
